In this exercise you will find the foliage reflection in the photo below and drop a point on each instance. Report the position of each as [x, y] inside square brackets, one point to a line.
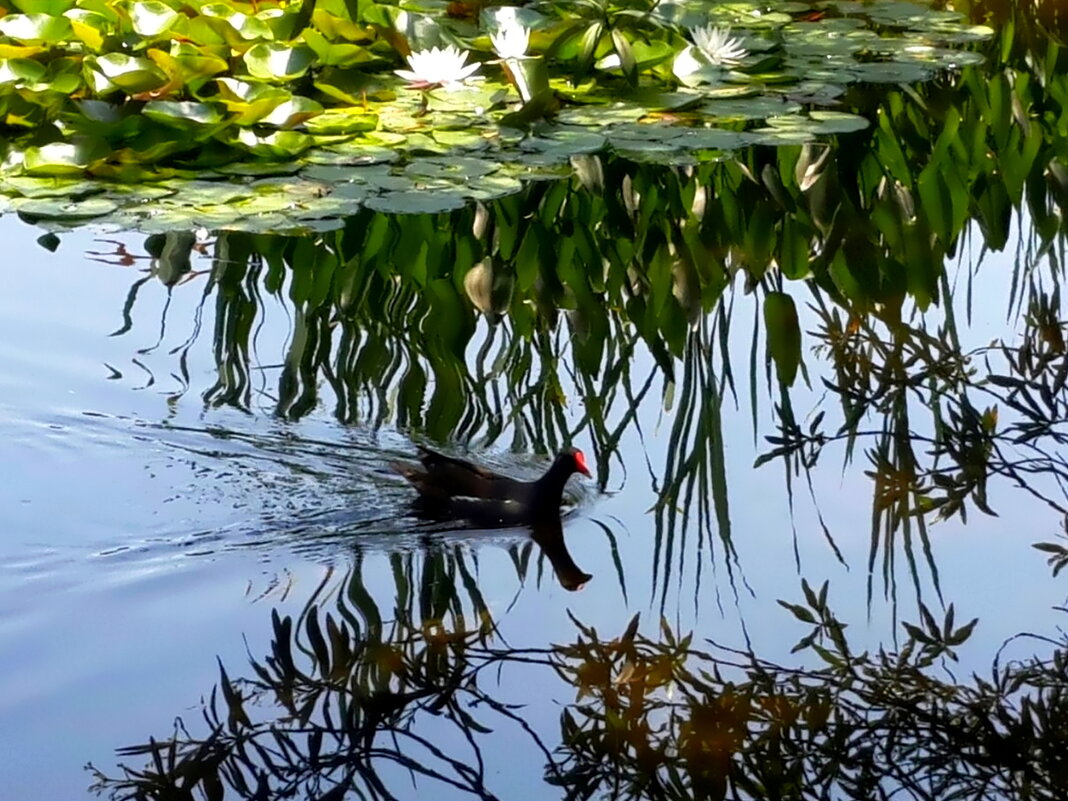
[343, 704]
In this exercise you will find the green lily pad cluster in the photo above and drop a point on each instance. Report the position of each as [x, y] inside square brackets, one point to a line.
[156, 91]
[316, 195]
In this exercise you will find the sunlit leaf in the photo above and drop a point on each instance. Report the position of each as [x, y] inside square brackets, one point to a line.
[280, 62]
[283, 144]
[151, 17]
[342, 121]
[65, 158]
[53, 7]
[35, 27]
[128, 73]
[292, 112]
[90, 28]
[181, 113]
[335, 55]
[20, 70]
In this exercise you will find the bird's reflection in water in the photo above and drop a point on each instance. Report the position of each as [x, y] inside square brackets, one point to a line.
[546, 533]
[549, 536]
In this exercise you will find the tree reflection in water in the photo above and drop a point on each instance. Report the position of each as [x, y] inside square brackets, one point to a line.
[340, 703]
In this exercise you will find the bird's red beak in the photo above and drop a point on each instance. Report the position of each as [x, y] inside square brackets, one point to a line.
[580, 464]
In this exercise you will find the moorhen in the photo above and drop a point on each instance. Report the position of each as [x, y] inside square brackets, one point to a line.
[458, 488]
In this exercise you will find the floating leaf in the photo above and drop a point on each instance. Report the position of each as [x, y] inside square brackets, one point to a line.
[64, 209]
[65, 158]
[778, 137]
[283, 144]
[182, 114]
[130, 74]
[250, 102]
[330, 54]
[352, 152]
[35, 27]
[28, 186]
[53, 7]
[491, 187]
[750, 108]
[280, 62]
[20, 71]
[346, 86]
[292, 112]
[260, 169]
[18, 51]
[342, 121]
[567, 141]
[416, 202]
[89, 27]
[246, 27]
[838, 121]
[454, 167]
[186, 64]
[151, 18]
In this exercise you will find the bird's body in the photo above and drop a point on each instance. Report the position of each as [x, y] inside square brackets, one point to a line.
[457, 488]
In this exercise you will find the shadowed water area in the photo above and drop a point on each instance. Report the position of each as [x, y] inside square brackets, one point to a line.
[819, 381]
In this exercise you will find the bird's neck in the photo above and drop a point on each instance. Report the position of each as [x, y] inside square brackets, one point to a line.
[551, 485]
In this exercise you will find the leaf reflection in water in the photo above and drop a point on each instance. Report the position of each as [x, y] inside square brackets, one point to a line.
[344, 699]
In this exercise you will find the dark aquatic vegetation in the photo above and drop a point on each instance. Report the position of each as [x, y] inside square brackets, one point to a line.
[454, 487]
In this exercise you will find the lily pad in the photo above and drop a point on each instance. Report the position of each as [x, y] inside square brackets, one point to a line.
[207, 193]
[712, 139]
[65, 158]
[260, 168]
[35, 209]
[341, 121]
[778, 137]
[280, 145]
[35, 27]
[182, 114]
[54, 7]
[596, 116]
[750, 108]
[151, 17]
[34, 187]
[416, 202]
[352, 152]
[838, 121]
[278, 62]
[566, 142]
[20, 71]
[352, 192]
[130, 74]
[292, 112]
[491, 187]
[455, 167]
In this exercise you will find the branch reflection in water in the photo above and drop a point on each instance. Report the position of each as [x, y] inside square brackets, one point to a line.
[342, 704]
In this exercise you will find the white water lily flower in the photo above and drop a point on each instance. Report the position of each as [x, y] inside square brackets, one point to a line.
[446, 66]
[718, 46]
[512, 37]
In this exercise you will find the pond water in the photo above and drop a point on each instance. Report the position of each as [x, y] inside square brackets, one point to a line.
[151, 530]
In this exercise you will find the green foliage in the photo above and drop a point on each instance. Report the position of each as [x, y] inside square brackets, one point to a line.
[219, 81]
